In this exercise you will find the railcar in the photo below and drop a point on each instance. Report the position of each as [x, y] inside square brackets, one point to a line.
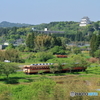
[61, 56]
[45, 67]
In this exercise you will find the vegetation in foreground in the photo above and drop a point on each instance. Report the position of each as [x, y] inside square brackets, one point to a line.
[50, 86]
[45, 88]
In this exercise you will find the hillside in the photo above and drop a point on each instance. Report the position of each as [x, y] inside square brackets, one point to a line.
[8, 24]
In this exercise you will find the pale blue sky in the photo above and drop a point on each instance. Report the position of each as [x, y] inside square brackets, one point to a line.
[45, 11]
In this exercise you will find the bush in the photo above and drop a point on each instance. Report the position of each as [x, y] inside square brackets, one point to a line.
[58, 50]
[76, 50]
[44, 56]
[38, 90]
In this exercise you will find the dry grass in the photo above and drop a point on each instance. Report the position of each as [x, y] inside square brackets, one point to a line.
[67, 84]
[93, 60]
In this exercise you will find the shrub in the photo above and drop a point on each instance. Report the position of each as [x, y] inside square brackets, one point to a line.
[38, 90]
[44, 56]
[58, 50]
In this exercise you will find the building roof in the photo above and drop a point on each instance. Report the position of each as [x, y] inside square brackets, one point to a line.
[85, 17]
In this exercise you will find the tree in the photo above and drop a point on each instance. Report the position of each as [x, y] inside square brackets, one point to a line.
[97, 42]
[21, 48]
[10, 46]
[7, 69]
[30, 40]
[58, 50]
[52, 68]
[44, 56]
[59, 66]
[93, 44]
[97, 54]
[43, 42]
[76, 50]
[80, 61]
[69, 64]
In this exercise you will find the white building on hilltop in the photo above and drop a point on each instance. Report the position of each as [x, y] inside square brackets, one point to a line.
[85, 21]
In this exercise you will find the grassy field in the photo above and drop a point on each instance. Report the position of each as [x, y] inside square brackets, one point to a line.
[57, 86]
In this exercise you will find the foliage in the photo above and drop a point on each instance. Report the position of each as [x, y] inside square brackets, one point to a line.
[97, 54]
[38, 90]
[11, 55]
[8, 24]
[93, 45]
[45, 42]
[44, 56]
[58, 50]
[5, 93]
[21, 48]
[76, 50]
[30, 41]
[10, 46]
[52, 68]
[71, 30]
[7, 69]
[80, 60]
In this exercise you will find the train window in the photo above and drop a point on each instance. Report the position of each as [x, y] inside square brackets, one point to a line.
[25, 67]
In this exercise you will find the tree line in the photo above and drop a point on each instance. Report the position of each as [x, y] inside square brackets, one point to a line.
[71, 29]
[43, 42]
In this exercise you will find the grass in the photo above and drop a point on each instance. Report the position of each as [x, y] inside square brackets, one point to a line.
[61, 91]
[20, 77]
[19, 83]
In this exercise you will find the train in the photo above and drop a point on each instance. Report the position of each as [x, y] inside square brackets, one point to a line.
[61, 56]
[46, 68]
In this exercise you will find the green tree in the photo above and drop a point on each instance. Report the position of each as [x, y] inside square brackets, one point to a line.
[97, 42]
[58, 50]
[69, 64]
[44, 56]
[93, 45]
[7, 69]
[97, 54]
[10, 46]
[52, 68]
[43, 42]
[21, 48]
[30, 40]
[80, 61]
[76, 50]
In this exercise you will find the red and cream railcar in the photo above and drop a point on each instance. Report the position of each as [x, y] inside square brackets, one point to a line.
[29, 69]
[35, 68]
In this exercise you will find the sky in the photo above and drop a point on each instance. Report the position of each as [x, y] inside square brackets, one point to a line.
[46, 11]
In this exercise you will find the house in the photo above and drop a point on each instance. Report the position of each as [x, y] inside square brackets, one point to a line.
[18, 42]
[3, 47]
[85, 21]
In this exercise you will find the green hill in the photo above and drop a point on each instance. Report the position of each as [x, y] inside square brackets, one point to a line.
[8, 24]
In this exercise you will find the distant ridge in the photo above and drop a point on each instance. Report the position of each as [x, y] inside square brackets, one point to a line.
[8, 24]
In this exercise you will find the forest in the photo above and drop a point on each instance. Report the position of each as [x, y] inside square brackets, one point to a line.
[71, 29]
[38, 47]
[35, 41]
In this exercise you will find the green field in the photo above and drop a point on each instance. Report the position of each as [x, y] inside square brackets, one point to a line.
[20, 86]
